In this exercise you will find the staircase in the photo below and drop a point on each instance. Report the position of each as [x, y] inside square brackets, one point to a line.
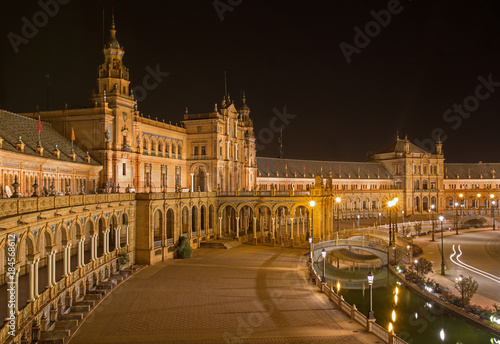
[68, 323]
[224, 244]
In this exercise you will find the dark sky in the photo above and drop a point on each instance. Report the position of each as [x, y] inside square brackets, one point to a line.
[427, 57]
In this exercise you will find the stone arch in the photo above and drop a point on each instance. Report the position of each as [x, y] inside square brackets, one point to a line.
[173, 150]
[101, 228]
[194, 219]
[124, 227]
[170, 230]
[27, 242]
[153, 145]
[89, 232]
[203, 217]
[425, 184]
[184, 220]
[157, 226]
[167, 148]
[417, 204]
[200, 182]
[112, 224]
[211, 216]
[245, 204]
[225, 205]
[160, 146]
[425, 203]
[48, 236]
[145, 144]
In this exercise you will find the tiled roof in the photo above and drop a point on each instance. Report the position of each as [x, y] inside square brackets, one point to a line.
[339, 169]
[475, 170]
[399, 147]
[13, 126]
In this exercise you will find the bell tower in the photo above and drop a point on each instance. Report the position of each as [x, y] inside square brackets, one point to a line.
[113, 78]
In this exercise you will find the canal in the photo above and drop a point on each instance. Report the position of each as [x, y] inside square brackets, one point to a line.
[417, 320]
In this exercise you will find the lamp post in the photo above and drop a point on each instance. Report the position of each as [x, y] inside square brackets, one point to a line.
[441, 218]
[390, 205]
[310, 249]
[370, 283]
[403, 212]
[456, 217]
[338, 200]
[358, 221]
[432, 222]
[312, 204]
[323, 254]
[492, 210]
[395, 229]
[380, 219]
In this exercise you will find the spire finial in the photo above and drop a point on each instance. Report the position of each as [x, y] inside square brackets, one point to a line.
[187, 110]
[397, 134]
[244, 97]
[113, 28]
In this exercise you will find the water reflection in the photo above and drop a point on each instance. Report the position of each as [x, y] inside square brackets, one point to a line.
[414, 319]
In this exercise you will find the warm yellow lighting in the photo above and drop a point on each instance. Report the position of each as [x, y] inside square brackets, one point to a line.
[393, 315]
[478, 195]
[491, 195]
[461, 195]
[390, 327]
[338, 200]
[312, 204]
[396, 290]
[338, 287]
[396, 299]
[396, 200]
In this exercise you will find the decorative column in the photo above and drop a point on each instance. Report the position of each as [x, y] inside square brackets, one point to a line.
[82, 257]
[79, 252]
[31, 266]
[192, 182]
[291, 228]
[117, 237]
[237, 227]
[220, 226]
[255, 230]
[208, 182]
[126, 236]
[106, 242]
[93, 247]
[54, 267]
[49, 270]
[36, 277]
[65, 261]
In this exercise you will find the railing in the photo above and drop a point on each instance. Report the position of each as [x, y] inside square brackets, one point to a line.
[354, 314]
[17, 206]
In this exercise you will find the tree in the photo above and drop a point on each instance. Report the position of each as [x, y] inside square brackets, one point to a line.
[183, 248]
[422, 267]
[467, 286]
[418, 228]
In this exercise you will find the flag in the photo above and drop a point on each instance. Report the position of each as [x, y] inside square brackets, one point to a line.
[39, 124]
[72, 134]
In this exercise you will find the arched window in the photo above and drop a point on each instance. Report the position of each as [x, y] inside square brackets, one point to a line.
[425, 203]
[417, 184]
[145, 146]
[417, 203]
[424, 184]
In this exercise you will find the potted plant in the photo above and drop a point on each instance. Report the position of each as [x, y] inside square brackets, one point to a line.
[123, 258]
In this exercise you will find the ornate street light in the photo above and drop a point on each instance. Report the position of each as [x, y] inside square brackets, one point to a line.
[370, 283]
[310, 249]
[456, 217]
[441, 218]
[493, 210]
[323, 254]
[430, 213]
[312, 204]
[338, 200]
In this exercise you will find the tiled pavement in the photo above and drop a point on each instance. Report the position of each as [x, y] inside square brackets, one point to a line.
[249, 294]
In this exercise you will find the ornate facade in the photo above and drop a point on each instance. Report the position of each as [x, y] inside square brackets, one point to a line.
[126, 181]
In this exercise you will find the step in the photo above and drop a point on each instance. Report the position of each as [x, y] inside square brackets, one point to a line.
[71, 316]
[80, 309]
[54, 337]
[92, 297]
[90, 303]
[66, 325]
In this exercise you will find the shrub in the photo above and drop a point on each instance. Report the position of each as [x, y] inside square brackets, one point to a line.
[123, 257]
[466, 286]
[417, 250]
[183, 248]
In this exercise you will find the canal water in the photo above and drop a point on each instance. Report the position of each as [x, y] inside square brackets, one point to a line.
[417, 320]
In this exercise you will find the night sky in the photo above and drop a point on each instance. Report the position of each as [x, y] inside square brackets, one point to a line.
[428, 56]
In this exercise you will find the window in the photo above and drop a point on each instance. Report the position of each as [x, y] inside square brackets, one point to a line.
[124, 169]
[203, 150]
[196, 150]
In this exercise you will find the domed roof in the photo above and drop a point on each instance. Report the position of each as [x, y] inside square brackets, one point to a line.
[113, 42]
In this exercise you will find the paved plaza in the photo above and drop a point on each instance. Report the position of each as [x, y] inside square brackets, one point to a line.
[248, 294]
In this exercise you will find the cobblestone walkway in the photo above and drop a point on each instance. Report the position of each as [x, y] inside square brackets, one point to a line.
[247, 294]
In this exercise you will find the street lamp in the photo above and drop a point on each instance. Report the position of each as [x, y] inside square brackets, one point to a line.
[460, 281]
[441, 335]
[432, 209]
[403, 212]
[338, 200]
[441, 218]
[370, 283]
[493, 210]
[390, 204]
[310, 249]
[380, 219]
[456, 217]
[323, 254]
[312, 204]
[358, 222]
